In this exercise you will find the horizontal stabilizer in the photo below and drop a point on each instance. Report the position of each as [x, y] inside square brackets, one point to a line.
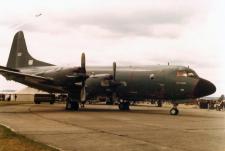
[9, 69]
[13, 75]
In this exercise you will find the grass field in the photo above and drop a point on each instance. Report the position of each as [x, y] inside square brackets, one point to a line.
[10, 141]
[2, 103]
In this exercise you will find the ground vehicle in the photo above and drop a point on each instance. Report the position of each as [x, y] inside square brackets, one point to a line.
[38, 98]
[2, 97]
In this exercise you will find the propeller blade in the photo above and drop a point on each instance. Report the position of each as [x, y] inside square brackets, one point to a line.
[83, 63]
[114, 71]
[83, 94]
[83, 70]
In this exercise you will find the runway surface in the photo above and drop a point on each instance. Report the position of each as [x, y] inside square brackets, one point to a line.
[105, 128]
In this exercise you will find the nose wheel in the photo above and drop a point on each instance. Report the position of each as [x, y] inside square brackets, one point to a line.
[174, 110]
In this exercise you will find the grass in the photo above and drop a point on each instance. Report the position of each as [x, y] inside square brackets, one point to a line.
[10, 141]
[2, 103]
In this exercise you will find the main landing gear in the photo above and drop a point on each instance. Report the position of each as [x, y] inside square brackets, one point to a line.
[124, 106]
[72, 104]
[174, 110]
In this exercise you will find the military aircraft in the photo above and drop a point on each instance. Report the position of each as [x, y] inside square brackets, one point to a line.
[176, 83]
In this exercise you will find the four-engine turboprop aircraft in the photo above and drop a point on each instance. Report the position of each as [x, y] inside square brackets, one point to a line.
[176, 83]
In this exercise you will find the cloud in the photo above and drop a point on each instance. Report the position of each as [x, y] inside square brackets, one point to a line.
[147, 19]
[149, 23]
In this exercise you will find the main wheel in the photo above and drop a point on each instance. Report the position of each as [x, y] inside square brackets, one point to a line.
[127, 106]
[72, 105]
[124, 106]
[121, 106]
[174, 111]
[68, 105]
[75, 106]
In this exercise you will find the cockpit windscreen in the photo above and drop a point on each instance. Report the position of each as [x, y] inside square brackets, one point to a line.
[186, 73]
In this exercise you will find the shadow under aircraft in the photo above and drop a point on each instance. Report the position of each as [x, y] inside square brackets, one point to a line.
[123, 84]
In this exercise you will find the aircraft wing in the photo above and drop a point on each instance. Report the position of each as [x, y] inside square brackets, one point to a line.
[12, 74]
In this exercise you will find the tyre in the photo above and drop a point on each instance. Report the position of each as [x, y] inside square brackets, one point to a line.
[124, 106]
[174, 111]
[127, 106]
[68, 105]
[121, 106]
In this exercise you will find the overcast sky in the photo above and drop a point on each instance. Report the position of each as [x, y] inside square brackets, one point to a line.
[142, 32]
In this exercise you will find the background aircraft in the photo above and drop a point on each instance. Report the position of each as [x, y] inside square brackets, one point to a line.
[176, 83]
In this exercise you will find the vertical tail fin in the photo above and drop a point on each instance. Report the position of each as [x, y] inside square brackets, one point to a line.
[19, 56]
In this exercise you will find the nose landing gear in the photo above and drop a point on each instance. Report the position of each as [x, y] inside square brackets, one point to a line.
[174, 110]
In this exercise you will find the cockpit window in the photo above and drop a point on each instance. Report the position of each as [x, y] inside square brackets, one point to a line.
[183, 73]
[191, 74]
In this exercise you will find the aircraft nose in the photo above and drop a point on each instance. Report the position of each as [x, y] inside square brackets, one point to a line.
[204, 88]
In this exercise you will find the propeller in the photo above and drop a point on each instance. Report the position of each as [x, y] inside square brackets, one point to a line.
[83, 71]
[113, 95]
[114, 82]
